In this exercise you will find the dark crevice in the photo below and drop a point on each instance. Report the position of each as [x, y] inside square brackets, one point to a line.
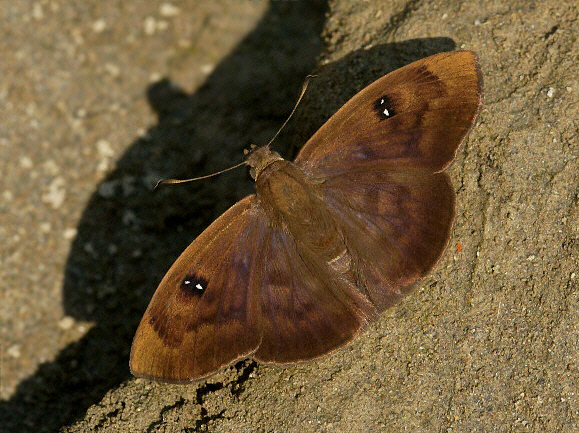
[178, 404]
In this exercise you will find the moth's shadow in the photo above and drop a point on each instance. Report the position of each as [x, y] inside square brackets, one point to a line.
[128, 236]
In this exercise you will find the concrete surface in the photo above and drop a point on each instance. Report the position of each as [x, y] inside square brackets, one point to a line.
[101, 99]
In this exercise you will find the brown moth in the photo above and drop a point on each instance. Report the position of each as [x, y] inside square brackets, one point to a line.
[328, 241]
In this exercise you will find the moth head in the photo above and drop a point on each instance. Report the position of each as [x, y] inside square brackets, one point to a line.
[258, 158]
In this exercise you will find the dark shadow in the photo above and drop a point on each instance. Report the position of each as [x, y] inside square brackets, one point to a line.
[129, 236]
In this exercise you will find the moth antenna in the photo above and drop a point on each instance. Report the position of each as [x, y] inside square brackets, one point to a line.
[304, 87]
[173, 181]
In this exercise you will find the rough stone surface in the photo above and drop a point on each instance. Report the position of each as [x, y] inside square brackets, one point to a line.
[101, 99]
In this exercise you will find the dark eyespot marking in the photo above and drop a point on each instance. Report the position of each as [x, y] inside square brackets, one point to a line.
[193, 285]
[384, 107]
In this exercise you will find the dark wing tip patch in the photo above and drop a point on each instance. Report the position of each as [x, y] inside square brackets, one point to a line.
[193, 285]
[384, 107]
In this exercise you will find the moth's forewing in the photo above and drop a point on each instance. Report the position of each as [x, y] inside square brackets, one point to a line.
[205, 313]
[431, 105]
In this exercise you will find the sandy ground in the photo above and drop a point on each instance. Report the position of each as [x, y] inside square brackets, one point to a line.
[101, 99]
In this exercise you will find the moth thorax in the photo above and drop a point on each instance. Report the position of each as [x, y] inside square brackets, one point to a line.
[290, 198]
[283, 189]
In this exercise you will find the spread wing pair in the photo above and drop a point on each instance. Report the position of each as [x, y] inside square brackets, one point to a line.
[377, 215]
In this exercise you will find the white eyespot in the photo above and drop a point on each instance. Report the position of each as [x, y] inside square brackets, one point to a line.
[199, 286]
[386, 112]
